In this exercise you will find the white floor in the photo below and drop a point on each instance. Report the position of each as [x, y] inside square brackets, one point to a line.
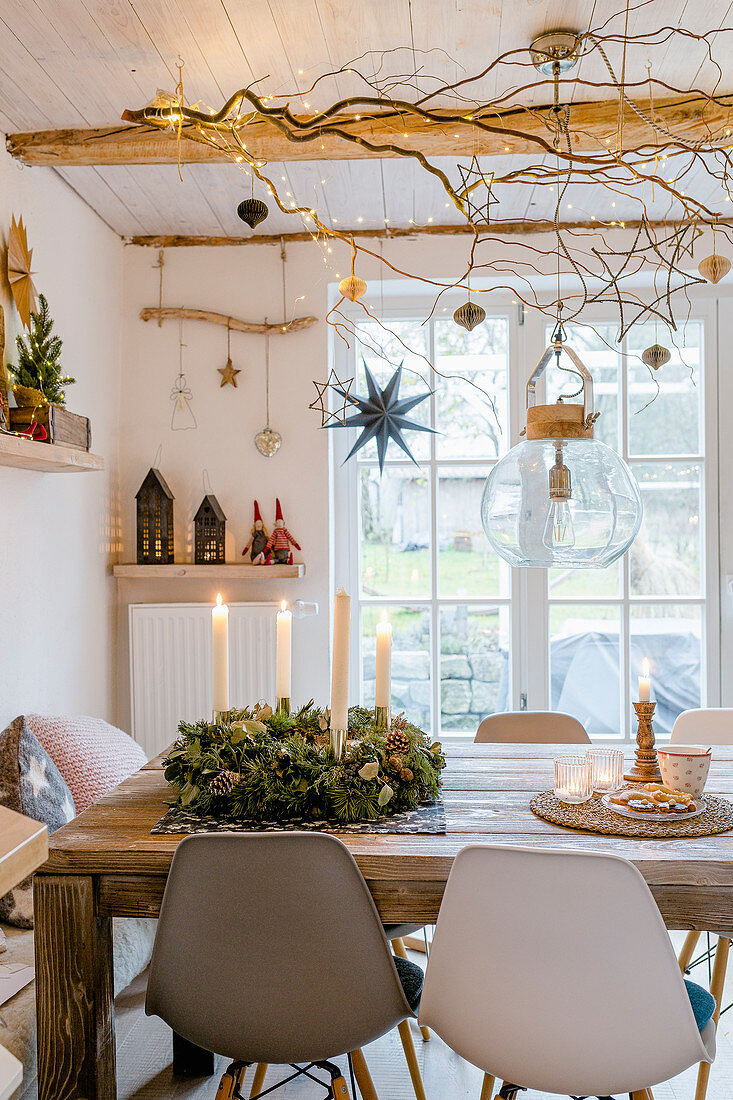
[144, 1069]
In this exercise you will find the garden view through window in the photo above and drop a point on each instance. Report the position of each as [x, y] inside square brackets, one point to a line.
[468, 632]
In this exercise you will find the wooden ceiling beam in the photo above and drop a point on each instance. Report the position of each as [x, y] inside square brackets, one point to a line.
[499, 229]
[593, 127]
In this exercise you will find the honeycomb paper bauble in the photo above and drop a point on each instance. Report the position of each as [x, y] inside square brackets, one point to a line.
[352, 287]
[714, 267]
[656, 356]
[469, 315]
[252, 211]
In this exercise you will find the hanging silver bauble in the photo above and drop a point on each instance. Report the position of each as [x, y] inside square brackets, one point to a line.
[268, 441]
[656, 356]
[469, 315]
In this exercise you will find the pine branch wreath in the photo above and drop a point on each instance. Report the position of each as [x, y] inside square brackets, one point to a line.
[262, 766]
[38, 359]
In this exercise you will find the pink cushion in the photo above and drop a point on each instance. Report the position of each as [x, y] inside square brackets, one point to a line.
[92, 756]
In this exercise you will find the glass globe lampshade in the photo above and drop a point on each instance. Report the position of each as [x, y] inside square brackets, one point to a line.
[561, 497]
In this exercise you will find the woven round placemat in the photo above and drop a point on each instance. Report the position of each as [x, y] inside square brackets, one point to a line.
[594, 817]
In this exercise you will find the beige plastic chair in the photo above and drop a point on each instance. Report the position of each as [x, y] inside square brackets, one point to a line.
[705, 726]
[588, 1003]
[270, 950]
[532, 727]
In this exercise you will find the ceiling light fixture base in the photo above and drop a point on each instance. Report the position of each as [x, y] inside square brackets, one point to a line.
[556, 52]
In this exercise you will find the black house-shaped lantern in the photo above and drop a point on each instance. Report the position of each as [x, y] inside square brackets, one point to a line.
[154, 520]
[209, 525]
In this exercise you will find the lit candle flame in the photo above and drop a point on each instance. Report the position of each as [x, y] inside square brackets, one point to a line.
[385, 615]
[218, 599]
[283, 605]
[645, 667]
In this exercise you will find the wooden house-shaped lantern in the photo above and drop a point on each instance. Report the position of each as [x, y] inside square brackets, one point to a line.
[154, 520]
[209, 525]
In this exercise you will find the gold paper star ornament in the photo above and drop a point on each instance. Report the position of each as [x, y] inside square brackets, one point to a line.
[228, 374]
[20, 275]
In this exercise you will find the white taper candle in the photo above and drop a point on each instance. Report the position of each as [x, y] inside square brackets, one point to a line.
[384, 662]
[220, 655]
[340, 666]
[284, 652]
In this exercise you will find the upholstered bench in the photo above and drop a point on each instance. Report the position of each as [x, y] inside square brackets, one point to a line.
[52, 769]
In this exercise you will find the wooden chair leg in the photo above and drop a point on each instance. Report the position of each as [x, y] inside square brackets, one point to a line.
[363, 1076]
[487, 1087]
[411, 1058]
[688, 950]
[398, 946]
[717, 982]
[258, 1081]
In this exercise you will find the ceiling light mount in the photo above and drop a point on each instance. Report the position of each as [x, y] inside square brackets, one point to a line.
[556, 52]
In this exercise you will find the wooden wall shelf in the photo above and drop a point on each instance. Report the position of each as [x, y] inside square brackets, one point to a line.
[49, 458]
[191, 571]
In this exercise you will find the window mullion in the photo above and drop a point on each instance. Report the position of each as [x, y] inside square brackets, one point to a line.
[434, 563]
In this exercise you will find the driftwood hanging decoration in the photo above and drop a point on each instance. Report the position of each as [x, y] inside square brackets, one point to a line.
[167, 313]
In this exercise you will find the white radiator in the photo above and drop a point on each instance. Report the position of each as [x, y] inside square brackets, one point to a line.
[170, 664]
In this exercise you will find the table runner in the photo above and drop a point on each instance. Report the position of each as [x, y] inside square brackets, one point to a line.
[425, 819]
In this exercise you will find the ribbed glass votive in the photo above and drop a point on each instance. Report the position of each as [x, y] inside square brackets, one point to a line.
[607, 769]
[573, 779]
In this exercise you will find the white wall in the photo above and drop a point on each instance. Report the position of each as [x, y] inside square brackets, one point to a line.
[58, 532]
[246, 283]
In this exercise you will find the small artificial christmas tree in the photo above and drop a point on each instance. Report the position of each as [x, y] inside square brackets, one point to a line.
[38, 358]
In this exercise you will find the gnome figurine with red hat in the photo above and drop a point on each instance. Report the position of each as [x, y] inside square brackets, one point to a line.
[281, 540]
[257, 545]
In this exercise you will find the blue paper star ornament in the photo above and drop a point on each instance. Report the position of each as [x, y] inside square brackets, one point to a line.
[382, 416]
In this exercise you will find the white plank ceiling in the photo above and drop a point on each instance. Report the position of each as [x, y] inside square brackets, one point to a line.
[78, 63]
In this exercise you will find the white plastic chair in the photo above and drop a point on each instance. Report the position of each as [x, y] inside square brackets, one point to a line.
[705, 726]
[533, 727]
[589, 1002]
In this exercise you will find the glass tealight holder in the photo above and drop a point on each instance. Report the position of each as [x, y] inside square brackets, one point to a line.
[607, 769]
[573, 779]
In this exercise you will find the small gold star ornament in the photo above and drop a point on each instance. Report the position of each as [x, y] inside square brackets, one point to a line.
[228, 374]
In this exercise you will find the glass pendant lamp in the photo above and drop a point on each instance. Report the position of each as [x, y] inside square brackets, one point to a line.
[561, 497]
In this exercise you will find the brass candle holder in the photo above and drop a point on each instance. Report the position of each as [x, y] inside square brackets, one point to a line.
[381, 717]
[220, 717]
[646, 766]
[283, 706]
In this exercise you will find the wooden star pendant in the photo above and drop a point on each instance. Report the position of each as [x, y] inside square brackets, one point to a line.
[228, 374]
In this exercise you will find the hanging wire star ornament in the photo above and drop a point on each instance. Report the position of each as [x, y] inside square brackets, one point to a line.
[321, 402]
[382, 416]
[474, 179]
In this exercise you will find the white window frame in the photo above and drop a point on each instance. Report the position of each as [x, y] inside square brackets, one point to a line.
[529, 666]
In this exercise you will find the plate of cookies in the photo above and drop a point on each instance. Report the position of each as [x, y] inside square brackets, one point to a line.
[653, 802]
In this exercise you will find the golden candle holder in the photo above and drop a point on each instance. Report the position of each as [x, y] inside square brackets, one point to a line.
[220, 717]
[646, 766]
[283, 706]
[381, 717]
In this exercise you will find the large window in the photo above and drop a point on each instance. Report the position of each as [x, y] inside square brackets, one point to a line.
[472, 636]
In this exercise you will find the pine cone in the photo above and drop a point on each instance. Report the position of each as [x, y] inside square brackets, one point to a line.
[395, 762]
[397, 742]
[223, 784]
[406, 775]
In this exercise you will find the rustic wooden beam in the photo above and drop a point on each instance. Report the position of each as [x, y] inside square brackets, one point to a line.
[168, 312]
[519, 129]
[497, 229]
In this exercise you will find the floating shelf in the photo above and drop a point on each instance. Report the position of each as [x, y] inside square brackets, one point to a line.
[191, 571]
[27, 454]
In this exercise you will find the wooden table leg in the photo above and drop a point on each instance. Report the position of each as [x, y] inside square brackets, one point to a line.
[258, 1081]
[487, 1087]
[190, 1060]
[74, 991]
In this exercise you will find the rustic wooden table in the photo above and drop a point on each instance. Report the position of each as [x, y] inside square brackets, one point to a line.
[106, 863]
